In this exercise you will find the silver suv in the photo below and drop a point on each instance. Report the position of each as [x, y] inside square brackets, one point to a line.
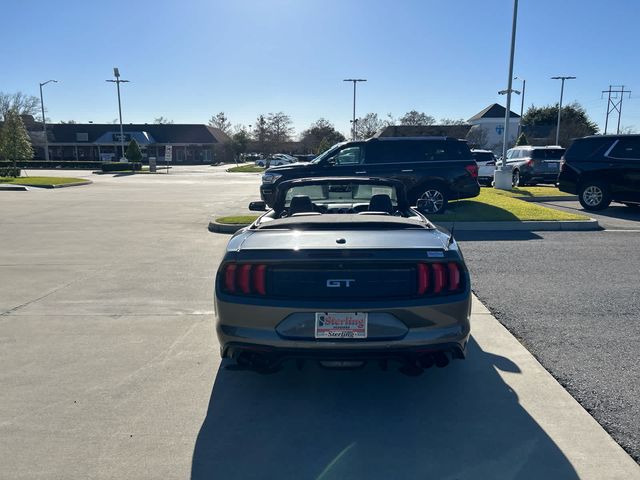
[532, 164]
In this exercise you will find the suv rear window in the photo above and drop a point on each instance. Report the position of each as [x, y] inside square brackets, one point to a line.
[412, 151]
[586, 148]
[547, 153]
[482, 156]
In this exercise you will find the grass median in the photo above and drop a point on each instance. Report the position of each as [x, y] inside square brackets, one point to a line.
[40, 181]
[246, 169]
[494, 205]
[532, 192]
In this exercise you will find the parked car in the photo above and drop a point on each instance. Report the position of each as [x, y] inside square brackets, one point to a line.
[534, 164]
[601, 169]
[342, 270]
[276, 159]
[486, 161]
[433, 170]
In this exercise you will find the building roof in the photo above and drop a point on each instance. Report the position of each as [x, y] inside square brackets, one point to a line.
[494, 110]
[160, 133]
[456, 131]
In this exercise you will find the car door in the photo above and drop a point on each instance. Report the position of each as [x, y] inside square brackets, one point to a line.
[624, 168]
[395, 159]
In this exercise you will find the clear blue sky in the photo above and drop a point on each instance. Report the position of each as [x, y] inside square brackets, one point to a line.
[190, 59]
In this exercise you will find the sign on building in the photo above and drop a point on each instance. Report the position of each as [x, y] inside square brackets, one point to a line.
[168, 153]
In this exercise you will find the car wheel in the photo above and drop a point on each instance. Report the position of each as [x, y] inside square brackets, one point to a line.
[432, 201]
[515, 179]
[594, 196]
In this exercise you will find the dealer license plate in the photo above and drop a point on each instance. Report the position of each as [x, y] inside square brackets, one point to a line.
[341, 325]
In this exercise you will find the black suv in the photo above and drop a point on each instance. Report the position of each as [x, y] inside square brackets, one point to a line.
[434, 170]
[601, 169]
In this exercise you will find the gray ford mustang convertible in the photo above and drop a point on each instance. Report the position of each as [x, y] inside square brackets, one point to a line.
[342, 271]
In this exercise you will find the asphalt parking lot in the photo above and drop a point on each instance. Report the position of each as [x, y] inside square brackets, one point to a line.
[110, 365]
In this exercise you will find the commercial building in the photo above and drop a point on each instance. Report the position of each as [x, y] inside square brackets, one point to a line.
[191, 143]
[491, 121]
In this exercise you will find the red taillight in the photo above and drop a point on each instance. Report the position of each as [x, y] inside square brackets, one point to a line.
[530, 163]
[423, 278]
[473, 170]
[438, 277]
[245, 278]
[454, 276]
[259, 279]
[230, 278]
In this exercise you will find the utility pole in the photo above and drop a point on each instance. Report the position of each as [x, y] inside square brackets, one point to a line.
[613, 105]
[118, 81]
[560, 105]
[524, 85]
[502, 176]
[353, 121]
[44, 121]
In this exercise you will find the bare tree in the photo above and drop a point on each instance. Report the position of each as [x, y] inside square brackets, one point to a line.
[222, 122]
[279, 129]
[416, 118]
[477, 137]
[19, 102]
[452, 121]
[369, 125]
[162, 121]
[260, 132]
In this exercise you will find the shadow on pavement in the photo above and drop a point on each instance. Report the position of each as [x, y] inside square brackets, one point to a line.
[497, 235]
[615, 210]
[459, 422]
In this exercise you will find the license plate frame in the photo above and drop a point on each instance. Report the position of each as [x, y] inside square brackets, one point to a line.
[341, 325]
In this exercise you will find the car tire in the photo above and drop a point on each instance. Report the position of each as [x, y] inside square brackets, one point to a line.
[594, 196]
[516, 181]
[432, 201]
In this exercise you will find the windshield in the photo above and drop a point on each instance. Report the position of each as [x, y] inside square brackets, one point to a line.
[327, 153]
[327, 194]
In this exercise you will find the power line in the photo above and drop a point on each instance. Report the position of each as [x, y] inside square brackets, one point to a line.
[614, 103]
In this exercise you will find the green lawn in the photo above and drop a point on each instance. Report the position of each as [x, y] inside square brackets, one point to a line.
[237, 219]
[498, 206]
[40, 181]
[246, 169]
[532, 192]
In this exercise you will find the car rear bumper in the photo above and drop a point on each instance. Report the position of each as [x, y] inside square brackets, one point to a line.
[539, 177]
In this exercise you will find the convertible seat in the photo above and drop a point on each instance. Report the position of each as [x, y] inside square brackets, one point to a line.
[300, 204]
[381, 203]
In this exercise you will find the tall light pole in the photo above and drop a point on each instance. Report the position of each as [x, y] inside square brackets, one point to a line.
[44, 121]
[502, 177]
[118, 81]
[353, 122]
[560, 106]
[524, 85]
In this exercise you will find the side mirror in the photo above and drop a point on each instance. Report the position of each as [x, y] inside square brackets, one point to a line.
[258, 206]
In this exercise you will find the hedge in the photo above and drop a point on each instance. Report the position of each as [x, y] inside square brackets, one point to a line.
[53, 164]
[120, 166]
[9, 171]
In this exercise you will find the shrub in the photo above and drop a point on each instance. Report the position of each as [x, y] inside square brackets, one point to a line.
[121, 166]
[9, 171]
[53, 164]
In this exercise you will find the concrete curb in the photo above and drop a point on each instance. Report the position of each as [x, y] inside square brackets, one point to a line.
[540, 226]
[216, 227]
[551, 198]
[12, 188]
[64, 185]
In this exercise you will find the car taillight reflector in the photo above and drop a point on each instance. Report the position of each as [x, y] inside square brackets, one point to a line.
[230, 278]
[530, 163]
[473, 170]
[423, 278]
[244, 275]
[259, 279]
[454, 276]
[439, 278]
[245, 278]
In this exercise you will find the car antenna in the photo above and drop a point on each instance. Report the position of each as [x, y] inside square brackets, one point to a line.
[453, 225]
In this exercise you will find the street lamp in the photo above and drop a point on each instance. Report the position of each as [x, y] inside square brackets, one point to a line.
[524, 85]
[560, 106]
[118, 81]
[502, 176]
[44, 121]
[353, 122]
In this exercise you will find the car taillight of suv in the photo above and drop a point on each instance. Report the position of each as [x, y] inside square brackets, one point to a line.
[472, 169]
